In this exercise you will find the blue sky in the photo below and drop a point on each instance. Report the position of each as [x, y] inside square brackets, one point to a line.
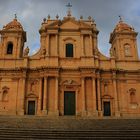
[105, 12]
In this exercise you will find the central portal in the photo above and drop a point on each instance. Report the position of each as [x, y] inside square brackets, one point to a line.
[107, 110]
[69, 103]
[31, 107]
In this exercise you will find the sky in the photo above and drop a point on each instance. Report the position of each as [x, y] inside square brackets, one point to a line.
[106, 13]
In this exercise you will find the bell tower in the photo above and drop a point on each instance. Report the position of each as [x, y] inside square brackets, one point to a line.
[124, 42]
[13, 38]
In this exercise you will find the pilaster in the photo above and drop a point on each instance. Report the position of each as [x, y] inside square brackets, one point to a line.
[45, 96]
[56, 96]
[117, 113]
[22, 96]
[83, 96]
[94, 97]
[39, 97]
[82, 45]
[99, 95]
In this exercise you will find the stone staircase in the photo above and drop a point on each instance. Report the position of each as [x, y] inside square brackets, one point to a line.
[33, 127]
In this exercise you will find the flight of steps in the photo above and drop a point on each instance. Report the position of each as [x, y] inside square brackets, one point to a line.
[31, 127]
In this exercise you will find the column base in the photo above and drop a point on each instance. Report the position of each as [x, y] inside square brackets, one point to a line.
[117, 114]
[21, 112]
[53, 113]
[84, 113]
[100, 113]
[39, 112]
[44, 112]
[92, 114]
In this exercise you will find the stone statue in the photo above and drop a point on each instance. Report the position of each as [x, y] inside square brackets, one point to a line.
[96, 52]
[127, 50]
[26, 51]
[43, 52]
[112, 52]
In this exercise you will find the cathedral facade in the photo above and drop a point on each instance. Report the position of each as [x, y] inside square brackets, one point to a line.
[68, 75]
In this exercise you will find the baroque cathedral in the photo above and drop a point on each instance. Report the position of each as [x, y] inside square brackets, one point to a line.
[68, 75]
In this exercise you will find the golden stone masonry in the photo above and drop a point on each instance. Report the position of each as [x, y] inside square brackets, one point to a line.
[68, 75]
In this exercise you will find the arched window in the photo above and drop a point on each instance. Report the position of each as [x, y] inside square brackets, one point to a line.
[10, 48]
[69, 50]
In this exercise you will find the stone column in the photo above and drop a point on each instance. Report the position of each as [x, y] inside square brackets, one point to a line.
[82, 45]
[57, 47]
[48, 44]
[91, 44]
[83, 97]
[22, 96]
[39, 97]
[94, 96]
[45, 95]
[117, 113]
[99, 94]
[56, 96]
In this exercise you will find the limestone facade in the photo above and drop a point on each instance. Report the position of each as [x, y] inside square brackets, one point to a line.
[68, 75]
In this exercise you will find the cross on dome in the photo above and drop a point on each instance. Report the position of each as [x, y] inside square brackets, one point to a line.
[15, 16]
[69, 9]
[120, 18]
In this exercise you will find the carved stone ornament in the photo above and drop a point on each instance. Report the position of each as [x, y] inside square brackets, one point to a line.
[70, 81]
[132, 90]
[112, 53]
[5, 88]
[43, 52]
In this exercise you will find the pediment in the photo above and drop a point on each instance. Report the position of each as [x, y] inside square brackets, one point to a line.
[54, 24]
[70, 25]
[31, 95]
[69, 82]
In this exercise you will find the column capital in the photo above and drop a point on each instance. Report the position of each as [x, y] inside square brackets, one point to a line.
[57, 77]
[93, 77]
[114, 75]
[46, 77]
[83, 78]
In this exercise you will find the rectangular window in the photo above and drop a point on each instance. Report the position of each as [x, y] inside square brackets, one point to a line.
[69, 50]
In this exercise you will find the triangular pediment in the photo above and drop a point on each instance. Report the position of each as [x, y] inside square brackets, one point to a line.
[70, 24]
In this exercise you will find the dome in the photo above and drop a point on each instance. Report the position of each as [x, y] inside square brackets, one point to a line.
[13, 25]
[121, 26]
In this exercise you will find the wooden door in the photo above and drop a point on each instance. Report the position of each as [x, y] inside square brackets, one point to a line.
[31, 107]
[69, 103]
[107, 110]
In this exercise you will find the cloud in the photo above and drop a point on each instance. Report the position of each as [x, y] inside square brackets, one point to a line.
[105, 12]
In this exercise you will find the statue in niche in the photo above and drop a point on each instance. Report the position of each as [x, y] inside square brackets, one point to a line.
[105, 88]
[26, 51]
[5, 95]
[127, 50]
[33, 86]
